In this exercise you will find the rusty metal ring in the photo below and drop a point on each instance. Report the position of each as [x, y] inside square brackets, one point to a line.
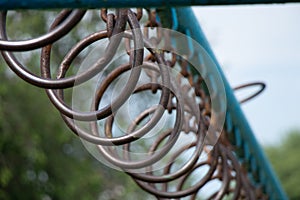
[182, 193]
[29, 77]
[110, 24]
[25, 45]
[105, 84]
[57, 100]
[262, 88]
[158, 32]
[93, 138]
[103, 14]
[153, 158]
[139, 13]
[97, 140]
[235, 165]
[127, 165]
[173, 61]
[167, 177]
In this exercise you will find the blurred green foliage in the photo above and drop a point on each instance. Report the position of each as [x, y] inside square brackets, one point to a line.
[40, 158]
[286, 163]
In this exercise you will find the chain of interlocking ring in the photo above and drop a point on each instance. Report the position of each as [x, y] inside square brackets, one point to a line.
[177, 161]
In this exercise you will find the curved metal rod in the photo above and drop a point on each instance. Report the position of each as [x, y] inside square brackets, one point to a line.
[93, 137]
[108, 141]
[127, 165]
[57, 97]
[181, 193]
[26, 45]
[167, 176]
[262, 88]
[225, 176]
[236, 168]
[28, 76]
[99, 114]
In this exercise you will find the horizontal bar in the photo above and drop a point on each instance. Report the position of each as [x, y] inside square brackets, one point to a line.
[53, 4]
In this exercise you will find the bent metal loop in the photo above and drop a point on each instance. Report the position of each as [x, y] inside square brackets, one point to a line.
[151, 111]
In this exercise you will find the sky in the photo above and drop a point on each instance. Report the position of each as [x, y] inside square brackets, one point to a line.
[260, 43]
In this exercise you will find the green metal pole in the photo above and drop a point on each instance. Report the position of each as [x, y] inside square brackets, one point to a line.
[53, 4]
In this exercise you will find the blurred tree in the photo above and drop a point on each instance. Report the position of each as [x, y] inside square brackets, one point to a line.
[286, 162]
[39, 157]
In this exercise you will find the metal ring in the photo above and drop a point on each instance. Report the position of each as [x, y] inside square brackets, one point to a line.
[93, 138]
[127, 165]
[29, 77]
[48, 38]
[87, 116]
[167, 176]
[57, 100]
[178, 194]
[262, 88]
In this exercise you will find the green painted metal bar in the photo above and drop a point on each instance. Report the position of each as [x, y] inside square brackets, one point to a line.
[236, 120]
[53, 4]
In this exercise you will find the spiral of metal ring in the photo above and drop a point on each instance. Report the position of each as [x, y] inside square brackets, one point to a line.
[163, 169]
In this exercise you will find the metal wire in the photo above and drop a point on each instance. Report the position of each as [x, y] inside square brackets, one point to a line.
[179, 161]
